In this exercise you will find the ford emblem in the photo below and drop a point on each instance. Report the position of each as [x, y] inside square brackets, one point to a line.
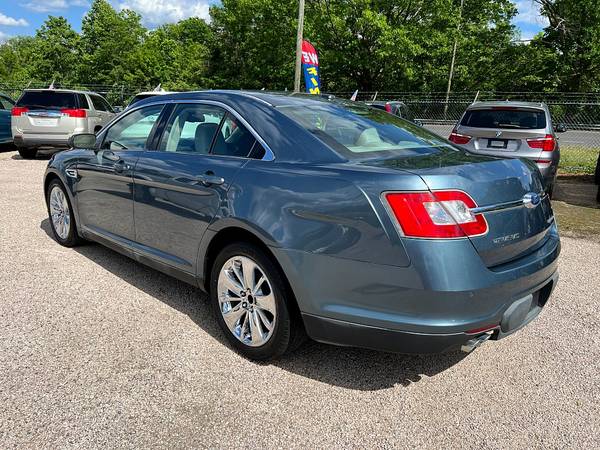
[531, 200]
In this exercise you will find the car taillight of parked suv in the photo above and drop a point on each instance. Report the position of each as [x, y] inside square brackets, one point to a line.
[45, 119]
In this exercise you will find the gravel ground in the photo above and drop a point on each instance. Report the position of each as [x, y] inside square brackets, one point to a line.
[97, 351]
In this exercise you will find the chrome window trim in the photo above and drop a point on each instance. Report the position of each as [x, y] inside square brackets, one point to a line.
[269, 155]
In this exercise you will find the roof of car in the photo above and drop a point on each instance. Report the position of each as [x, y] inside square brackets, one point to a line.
[275, 99]
[156, 93]
[499, 104]
[68, 91]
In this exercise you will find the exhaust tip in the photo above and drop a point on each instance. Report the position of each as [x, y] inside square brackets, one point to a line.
[472, 344]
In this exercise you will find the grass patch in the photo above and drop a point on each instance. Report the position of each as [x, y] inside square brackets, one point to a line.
[574, 159]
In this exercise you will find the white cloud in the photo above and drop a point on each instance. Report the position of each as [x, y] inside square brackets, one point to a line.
[11, 22]
[53, 5]
[3, 37]
[529, 12]
[158, 12]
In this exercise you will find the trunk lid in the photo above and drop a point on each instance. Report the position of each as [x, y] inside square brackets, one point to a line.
[498, 186]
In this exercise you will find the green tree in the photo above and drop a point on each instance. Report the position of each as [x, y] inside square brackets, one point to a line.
[108, 39]
[57, 56]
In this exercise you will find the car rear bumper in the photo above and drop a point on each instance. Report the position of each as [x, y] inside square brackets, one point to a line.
[337, 332]
[42, 140]
[435, 304]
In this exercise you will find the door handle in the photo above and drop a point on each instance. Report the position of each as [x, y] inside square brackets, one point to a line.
[120, 166]
[209, 178]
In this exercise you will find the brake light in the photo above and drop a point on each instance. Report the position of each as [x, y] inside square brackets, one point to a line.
[18, 111]
[460, 139]
[388, 107]
[546, 144]
[437, 214]
[79, 113]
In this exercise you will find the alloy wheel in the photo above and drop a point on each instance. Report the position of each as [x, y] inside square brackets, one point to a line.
[246, 301]
[60, 213]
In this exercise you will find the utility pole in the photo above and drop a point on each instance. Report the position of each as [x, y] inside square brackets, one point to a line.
[454, 48]
[299, 46]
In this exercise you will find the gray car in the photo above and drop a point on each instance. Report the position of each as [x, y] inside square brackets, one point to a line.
[512, 129]
[45, 119]
[305, 216]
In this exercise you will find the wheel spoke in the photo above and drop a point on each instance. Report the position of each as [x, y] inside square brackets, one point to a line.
[263, 318]
[231, 284]
[238, 273]
[256, 334]
[259, 283]
[266, 302]
[233, 316]
[248, 271]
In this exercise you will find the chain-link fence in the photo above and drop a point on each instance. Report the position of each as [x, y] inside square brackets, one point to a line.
[579, 112]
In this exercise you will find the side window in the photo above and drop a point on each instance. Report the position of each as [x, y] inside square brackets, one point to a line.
[191, 129]
[132, 131]
[233, 139]
[5, 103]
[107, 106]
[83, 103]
[97, 102]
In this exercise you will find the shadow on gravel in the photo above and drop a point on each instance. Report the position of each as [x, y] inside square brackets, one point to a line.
[351, 368]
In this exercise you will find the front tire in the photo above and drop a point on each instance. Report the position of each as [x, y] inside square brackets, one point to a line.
[60, 214]
[27, 153]
[250, 301]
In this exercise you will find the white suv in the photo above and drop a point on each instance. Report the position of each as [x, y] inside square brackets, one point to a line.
[47, 118]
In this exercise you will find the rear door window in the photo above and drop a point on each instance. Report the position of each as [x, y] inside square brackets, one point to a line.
[5, 103]
[510, 118]
[99, 103]
[233, 139]
[48, 100]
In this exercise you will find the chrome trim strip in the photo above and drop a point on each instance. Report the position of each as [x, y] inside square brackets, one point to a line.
[269, 155]
[504, 206]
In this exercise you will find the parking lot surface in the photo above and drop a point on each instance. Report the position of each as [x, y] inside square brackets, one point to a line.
[97, 350]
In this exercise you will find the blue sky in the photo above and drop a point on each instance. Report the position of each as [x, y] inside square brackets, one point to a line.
[19, 17]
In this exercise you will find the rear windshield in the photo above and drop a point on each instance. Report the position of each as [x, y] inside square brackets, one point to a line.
[520, 119]
[48, 100]
[362, 132]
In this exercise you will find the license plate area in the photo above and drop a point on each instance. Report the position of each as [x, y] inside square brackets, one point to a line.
[501, 144]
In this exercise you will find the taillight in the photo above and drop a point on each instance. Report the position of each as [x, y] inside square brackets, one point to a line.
[388, 107]
[437, 214]
[460, 139]
[546, 144]
[79, 113]
[18, 111]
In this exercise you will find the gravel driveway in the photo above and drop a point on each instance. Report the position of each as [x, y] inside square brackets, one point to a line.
[96, 351]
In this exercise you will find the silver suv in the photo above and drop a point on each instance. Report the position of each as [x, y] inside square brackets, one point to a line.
[47, 118]
[512, 129]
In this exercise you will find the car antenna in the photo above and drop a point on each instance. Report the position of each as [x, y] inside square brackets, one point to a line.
[375, 96]
[158, 88]
[51, 85]
[476, 97]
[353, 98]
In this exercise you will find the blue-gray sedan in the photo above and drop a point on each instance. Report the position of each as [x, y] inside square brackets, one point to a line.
[305, 216]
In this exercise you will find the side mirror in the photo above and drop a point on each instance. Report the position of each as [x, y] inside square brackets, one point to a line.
[82, 141]
[118, 109]
[418, 123]
[560, 128]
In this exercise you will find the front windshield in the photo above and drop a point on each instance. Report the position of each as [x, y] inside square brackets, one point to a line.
[360, 132]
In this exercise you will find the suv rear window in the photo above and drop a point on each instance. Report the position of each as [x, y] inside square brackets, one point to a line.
[48, 100]
[520, 119]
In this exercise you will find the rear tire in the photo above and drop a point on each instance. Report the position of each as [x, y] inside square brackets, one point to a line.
[252, 304]
[61, 216]
[27, 153]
